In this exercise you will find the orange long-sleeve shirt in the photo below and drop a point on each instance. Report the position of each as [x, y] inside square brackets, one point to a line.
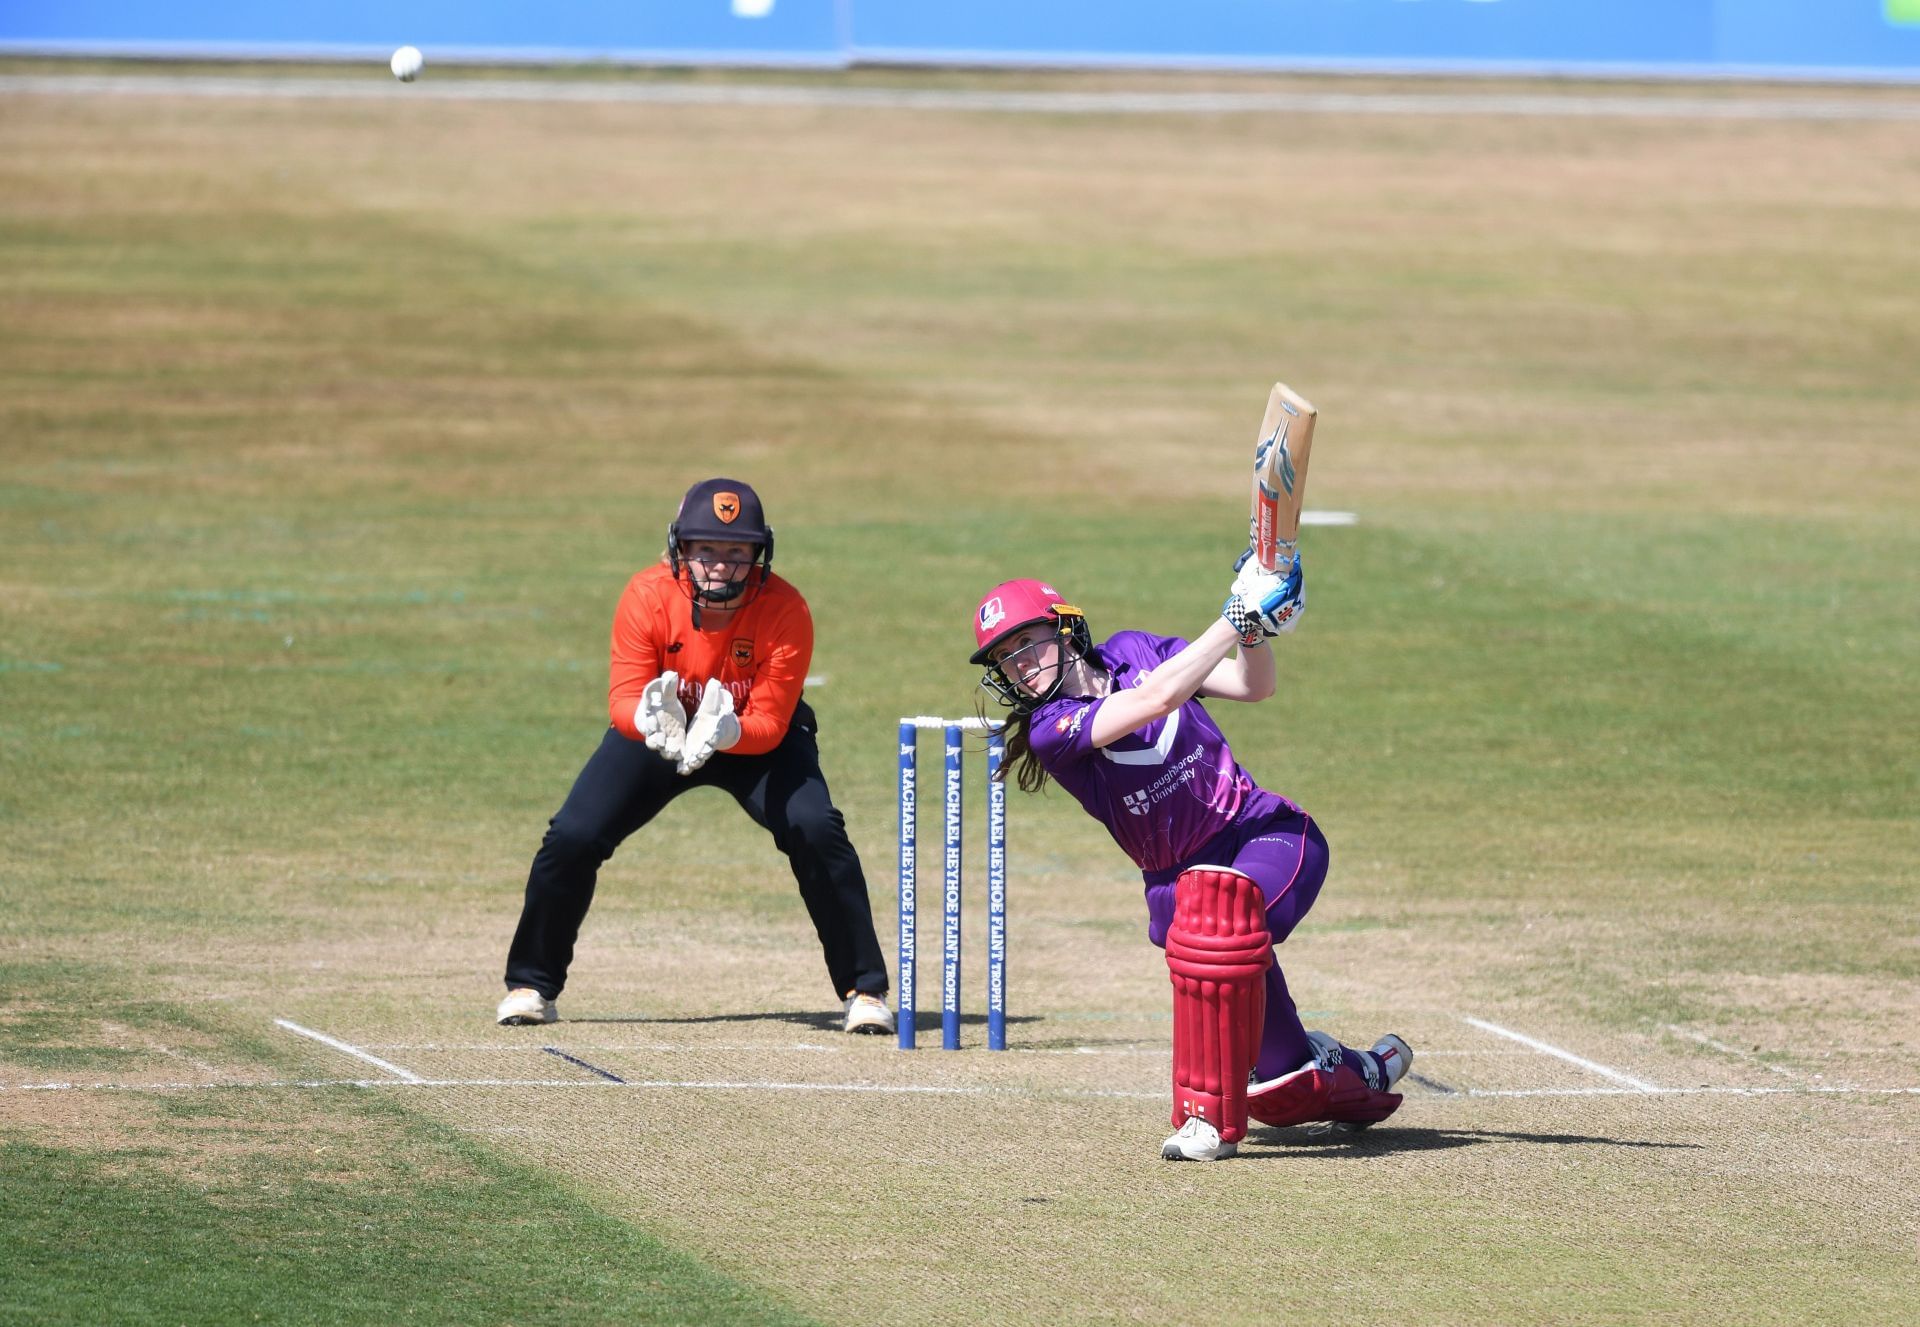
[761, 655]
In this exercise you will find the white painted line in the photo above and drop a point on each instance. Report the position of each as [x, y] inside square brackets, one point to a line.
[1555, 1051]
[1329, 518]
[637, 1047]
[1138, 1050]
[121, 1029]
[404, 1075]
[759, 1048]
[1725, 1049]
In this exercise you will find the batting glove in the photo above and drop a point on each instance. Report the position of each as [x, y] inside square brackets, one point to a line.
[660, 717]
[1262, 604]
[714, 728]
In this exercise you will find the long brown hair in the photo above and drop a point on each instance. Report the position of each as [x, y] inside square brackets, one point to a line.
[1029, 773]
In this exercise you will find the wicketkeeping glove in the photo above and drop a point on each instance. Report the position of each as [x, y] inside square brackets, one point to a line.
[660, 717]
[713, 727]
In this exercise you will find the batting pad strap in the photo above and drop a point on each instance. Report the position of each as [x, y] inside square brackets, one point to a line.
[1218, 952]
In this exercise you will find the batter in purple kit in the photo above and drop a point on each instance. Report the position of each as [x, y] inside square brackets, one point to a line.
[1230, 868]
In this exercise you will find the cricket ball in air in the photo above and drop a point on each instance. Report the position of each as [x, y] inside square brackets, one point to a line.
[407, 63]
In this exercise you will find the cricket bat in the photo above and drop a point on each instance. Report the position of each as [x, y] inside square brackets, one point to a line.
[1280, 477]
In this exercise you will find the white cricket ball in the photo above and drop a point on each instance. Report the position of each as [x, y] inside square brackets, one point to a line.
[407, 63]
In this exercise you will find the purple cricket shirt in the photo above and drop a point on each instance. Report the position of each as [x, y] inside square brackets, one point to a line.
[1164, 791]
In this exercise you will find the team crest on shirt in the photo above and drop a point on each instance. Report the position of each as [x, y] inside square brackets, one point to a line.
[1137, 804]
[743, 650]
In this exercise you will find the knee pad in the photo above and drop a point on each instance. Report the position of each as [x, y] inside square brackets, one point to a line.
[1218, 952]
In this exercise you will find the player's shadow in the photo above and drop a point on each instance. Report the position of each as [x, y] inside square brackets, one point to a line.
[1323, 1141]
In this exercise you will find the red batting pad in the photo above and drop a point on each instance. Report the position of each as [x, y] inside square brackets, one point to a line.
[1218, 951]
[1311, 1095]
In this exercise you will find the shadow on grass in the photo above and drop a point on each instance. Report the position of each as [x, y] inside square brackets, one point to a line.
[1322, 1141]
[826, 1020]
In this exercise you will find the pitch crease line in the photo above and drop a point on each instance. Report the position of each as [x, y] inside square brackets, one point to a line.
[1555, 1051]
[404, 1075]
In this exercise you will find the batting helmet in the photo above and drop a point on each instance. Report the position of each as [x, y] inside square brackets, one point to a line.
[726, 511]
[1009, 608]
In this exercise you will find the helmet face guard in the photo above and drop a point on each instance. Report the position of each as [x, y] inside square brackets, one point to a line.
[1070, 632]
[734, 593]
[1010, 608]
[723, 511]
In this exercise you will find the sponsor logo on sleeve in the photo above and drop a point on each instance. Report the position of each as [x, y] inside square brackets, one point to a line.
[1069, 724]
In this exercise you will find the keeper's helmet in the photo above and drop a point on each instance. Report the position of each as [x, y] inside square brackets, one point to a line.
[1011, 607]
[724, 511]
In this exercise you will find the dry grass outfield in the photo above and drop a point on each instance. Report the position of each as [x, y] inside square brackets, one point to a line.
[329, 431]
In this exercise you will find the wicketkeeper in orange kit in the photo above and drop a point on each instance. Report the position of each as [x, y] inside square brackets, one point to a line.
[710, 651]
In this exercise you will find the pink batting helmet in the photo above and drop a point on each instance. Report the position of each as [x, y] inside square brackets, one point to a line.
[1011, 605]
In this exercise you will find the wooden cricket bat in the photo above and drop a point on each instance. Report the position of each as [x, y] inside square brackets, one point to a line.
[1280, 477]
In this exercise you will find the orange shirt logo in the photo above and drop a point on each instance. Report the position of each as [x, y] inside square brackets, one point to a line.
[743, 651]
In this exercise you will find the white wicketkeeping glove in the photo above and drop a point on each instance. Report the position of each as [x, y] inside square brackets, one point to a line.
[712, 728]
[660, 717]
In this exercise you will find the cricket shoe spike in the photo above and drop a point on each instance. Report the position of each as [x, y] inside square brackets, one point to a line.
[525, 1005]
[1197, 1141]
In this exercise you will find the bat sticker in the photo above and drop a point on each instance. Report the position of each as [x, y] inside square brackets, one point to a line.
[1278, 438]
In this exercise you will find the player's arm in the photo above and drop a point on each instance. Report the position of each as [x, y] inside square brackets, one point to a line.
[1167, 688]
[1248, 675]
[1259, 605]
[636, 658]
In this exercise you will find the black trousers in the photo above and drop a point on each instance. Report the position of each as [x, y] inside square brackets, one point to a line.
[624, 785]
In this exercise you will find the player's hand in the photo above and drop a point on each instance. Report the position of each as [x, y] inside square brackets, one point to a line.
[713, 727]
[1262, 604]
[660, 717]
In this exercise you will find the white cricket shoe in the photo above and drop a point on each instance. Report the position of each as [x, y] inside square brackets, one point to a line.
[867, 1013]
[1197, 1141]
[526, 1005]
[1396, 1055]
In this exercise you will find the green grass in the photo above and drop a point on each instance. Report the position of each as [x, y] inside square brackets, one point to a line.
[427, 1227]
[241, 1205]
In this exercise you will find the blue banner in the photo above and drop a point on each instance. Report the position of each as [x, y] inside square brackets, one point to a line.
[1845, 38]
[683, 31]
